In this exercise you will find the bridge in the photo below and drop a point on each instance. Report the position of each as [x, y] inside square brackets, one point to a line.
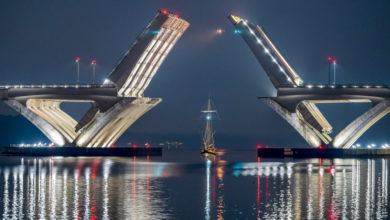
[115, 105]
[296, 102]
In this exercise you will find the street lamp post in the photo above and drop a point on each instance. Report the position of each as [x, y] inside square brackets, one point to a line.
[329, 62]
[93, 63]
[334, 72]
[78, 69]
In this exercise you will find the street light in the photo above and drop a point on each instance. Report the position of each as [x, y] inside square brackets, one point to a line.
[93, 63]
[78, 69]
[329, 62]
[334, 72]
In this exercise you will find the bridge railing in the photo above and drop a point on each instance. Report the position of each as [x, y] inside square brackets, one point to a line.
[58, 86]
[342, 86]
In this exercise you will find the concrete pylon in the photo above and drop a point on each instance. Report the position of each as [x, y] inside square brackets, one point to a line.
[315, 138]
[355, 129]
[308, 133]
[108, 126]
[43, 125]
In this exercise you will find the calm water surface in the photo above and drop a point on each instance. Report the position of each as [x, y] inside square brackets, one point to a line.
[183, 185]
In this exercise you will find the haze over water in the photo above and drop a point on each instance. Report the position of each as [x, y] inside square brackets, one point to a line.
[183, 185]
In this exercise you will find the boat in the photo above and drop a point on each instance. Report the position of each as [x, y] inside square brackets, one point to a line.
[208, 145]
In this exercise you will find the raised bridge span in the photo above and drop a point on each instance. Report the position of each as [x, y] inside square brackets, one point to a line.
[116, 104]
[296, 102]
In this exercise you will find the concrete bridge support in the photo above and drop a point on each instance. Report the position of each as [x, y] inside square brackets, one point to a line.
[314, 137]
[108, 126]
[355, 129]
[48, 127]
[308, 133]
[102, 130]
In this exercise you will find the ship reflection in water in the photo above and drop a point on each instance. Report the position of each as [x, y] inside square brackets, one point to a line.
[182, 185]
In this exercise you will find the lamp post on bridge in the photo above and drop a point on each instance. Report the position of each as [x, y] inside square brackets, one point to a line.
[93, 63]
[329, 62]
[78, 69]
[334, 72]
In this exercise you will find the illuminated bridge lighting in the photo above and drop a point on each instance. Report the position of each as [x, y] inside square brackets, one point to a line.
[267, 51]
[347, 86]
[109, 84]
[57, 86]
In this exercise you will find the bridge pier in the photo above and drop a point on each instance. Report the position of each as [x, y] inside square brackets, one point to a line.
[106, 127]
[43, 125]
[344, 139]
[308, 133]
[355, 129]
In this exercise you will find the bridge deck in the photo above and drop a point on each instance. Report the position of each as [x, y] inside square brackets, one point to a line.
[290, 97]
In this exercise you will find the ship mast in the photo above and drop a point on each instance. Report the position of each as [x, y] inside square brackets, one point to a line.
[208, 137]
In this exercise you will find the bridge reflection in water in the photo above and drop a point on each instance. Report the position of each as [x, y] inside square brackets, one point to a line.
[319, 189]
[83, 189]
[154, 188]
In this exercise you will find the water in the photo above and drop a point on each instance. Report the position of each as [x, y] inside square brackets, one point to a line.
[183, 185]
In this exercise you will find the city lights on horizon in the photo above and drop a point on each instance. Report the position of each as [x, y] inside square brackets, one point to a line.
[371, 146]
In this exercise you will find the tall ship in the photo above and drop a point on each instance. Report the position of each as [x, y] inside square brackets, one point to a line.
[208, 145]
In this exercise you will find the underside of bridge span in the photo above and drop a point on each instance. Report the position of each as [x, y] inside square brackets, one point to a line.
[115, 105]
[296, 102]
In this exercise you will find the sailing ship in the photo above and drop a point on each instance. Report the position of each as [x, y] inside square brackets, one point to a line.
[208, 136]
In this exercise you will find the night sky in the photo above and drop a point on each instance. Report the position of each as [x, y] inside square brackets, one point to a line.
[39, 41]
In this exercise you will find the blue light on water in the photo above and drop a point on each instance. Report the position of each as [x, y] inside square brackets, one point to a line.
[237, 31]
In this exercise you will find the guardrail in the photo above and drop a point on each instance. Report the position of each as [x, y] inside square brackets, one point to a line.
[339, 86]
[57, 86]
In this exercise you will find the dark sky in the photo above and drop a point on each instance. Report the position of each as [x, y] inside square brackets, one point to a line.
[39, 41]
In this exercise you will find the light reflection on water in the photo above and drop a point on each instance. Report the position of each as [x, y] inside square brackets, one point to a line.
[182, 185]
[319, 189]
[82, 188]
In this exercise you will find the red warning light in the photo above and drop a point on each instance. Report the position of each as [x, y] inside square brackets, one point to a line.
[148, 146]
[258, 147]
[334, 61]
[134, 146]
[77, 59]
[320, 147]
[164, 12]
[112, 145]
[176, 15]
[93, 62]
[329, 59]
